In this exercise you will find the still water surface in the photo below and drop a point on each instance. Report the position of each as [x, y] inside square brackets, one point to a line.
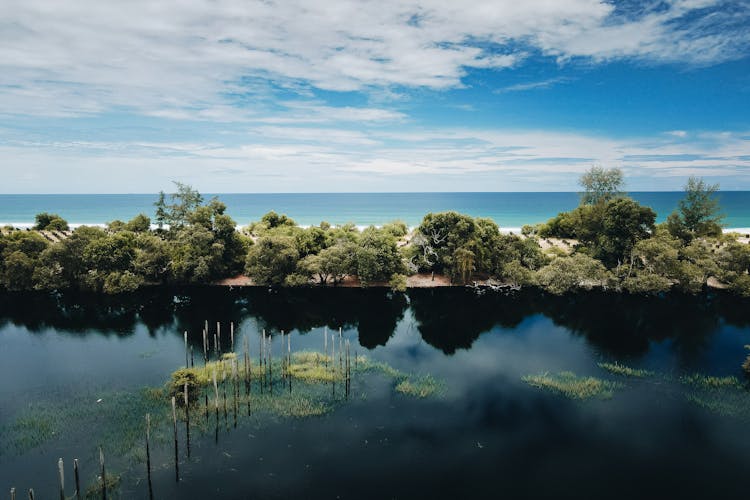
[487, 435]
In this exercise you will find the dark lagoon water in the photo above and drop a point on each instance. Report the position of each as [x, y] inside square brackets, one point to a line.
[486, 434]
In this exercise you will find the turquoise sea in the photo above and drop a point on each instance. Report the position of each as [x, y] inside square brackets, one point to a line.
[509, 210]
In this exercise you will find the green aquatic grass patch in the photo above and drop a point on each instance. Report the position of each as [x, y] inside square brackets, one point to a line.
[419, 387]
[116, 422]
[710, 382]
[625, 371]
[115, 419]
[573, 386]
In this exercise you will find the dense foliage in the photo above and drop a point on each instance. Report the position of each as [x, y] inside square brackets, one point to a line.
[609, 241]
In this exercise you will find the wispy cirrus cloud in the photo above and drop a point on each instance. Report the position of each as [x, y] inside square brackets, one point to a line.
[541, 84]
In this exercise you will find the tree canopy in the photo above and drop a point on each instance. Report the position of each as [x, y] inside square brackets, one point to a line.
[601, 185]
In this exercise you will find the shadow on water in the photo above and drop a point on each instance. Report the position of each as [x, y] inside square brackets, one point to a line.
[491, 436]
[447, 319]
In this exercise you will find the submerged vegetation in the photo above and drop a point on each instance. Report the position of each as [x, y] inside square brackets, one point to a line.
[726, 396]
[626, 371]
[573, 386]
[608, 242]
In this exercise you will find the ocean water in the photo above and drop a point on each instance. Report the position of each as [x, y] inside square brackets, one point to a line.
[509, 210]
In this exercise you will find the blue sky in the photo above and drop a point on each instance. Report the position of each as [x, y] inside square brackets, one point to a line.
[345, 95]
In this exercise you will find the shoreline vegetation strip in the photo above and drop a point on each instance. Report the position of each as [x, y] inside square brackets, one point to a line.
[609, 242]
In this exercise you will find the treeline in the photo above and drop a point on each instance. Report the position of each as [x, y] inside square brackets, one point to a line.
[609, 241]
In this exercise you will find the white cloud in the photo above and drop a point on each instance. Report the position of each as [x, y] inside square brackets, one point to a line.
[273, 159]
[196, 58]
[541, 84]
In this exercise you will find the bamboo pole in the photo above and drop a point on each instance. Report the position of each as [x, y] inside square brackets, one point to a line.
[289, 360]
[12, 494]
[325, 345]
[61, 477]
[216, 347]
[77, 479]
[104, 475]
[231, 333]
[148, 456]
[187, 419]
[31, 493]
[176, 456]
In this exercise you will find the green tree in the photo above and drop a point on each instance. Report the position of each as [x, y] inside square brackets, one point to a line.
[464, 261]
[698, 213]
[138, 224]
[567, 274]
[271, 260]
[50, 222]
[601, 185]
[183, 203]
[378, 257]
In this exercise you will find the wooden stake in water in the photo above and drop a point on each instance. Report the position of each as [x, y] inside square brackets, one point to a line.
[216, 392]
[341, 359]
[148, 455]
[270, 364]
[218, 334]
[231, 333]
[187, 418]
[176, 456]
[187, 365]
[192, 358]
[104, 475]
[61, 477]
[333, 366]
[325, 345]
[289, 360]
[235, 389]
[224, 390]
[12, 494]
[31, 493]
[261, 347]
[205, 347]
[77, 479]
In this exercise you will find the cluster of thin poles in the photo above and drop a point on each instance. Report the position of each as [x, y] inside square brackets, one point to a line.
[76, 477]
[339, 363]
